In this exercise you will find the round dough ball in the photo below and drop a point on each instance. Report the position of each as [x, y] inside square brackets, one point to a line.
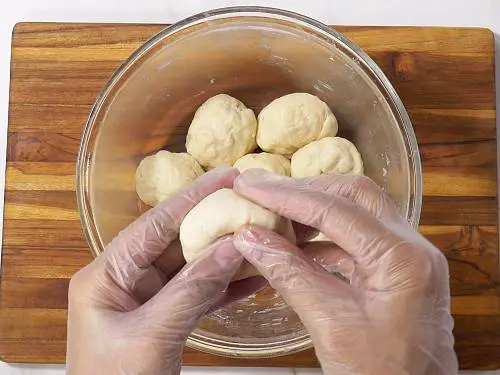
[331, 155]
[273, 163]
[222, 213]
[292, 121]
[222, 131]
[159, 176]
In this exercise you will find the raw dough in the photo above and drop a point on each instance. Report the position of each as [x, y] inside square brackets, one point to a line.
[273, 163]
[320, 237]
[159, 176]
[222, 131]
[331, 155]
[222, 213]
[292, 121]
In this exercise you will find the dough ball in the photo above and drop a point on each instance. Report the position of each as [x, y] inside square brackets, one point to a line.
[222, 131]
[273, 163]
[222, 213]
[331, 155]
[159, 176]
[292, 121]
[320, 237]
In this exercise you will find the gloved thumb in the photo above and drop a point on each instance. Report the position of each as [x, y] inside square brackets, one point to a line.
[193, 291]
[301, 281]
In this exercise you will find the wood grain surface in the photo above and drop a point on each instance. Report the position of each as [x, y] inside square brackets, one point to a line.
[444, 76]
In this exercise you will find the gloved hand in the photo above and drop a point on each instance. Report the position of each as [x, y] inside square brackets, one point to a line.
[393, 317]
[124, 317]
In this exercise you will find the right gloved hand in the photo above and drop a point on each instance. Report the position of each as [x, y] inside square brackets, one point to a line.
[393, 317]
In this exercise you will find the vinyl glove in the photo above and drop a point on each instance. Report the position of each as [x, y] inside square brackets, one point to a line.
[393, 316]
[125, 315]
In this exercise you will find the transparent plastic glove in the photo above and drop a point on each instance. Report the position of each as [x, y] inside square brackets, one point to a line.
[125, 317]
[394, 315]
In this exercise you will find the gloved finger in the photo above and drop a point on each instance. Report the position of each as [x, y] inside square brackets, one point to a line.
[239, 289]
[358, 189]
[331, 257]
[154, 280]
[193, 291]
[288, 269]
[143, 241]
[350, 226]
[171, 262]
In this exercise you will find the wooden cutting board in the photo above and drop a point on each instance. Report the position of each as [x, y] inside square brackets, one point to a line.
[445, 77]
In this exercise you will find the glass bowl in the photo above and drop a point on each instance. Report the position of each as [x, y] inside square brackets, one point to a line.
[256, 55]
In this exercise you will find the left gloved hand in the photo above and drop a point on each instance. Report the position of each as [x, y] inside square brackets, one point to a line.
[125, 315]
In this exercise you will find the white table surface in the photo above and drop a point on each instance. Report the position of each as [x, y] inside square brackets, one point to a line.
[483, 13]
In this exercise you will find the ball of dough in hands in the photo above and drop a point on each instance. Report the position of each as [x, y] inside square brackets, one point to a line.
[222, 131]
[292, 121]
[273, 163]
[160, 175]
[331, 155]
[222, 213]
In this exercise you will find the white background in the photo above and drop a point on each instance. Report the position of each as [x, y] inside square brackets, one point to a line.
[485, 13]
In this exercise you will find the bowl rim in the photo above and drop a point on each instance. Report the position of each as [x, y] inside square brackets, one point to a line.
[195, 341]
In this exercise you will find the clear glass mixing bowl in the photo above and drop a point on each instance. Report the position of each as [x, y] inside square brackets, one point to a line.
[255, 54]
